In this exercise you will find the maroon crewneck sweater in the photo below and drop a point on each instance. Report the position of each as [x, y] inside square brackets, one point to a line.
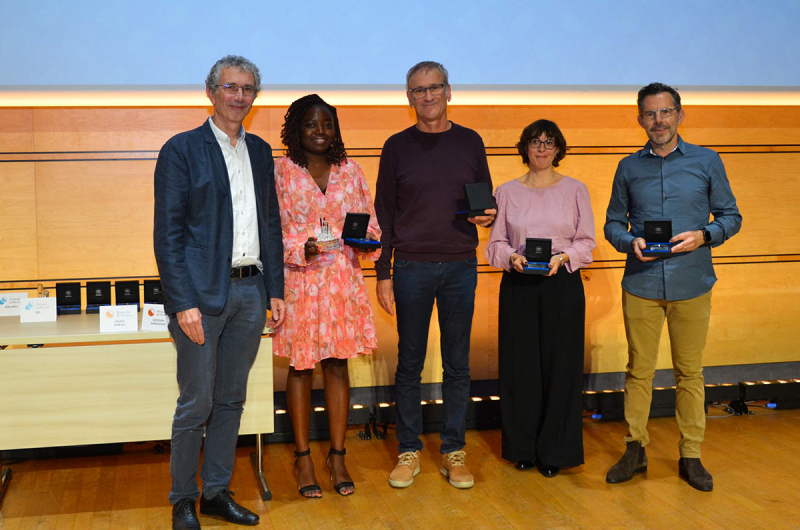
[420, 189]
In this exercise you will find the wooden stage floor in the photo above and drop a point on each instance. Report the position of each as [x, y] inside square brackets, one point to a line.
[754, 460]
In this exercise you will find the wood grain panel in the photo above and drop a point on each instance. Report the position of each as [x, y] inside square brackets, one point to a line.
[95, 219]
[361, 128]
[755, 485]
[18, 250]
[762, 183]
[75, 199]
[617, 125]
[111, 129]
[754, 308]
[16, 130]
[764, 333]
[766, 187]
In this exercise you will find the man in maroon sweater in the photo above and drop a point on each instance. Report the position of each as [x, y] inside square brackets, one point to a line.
[420, 189]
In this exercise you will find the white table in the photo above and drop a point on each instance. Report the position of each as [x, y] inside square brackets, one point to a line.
[85, 387]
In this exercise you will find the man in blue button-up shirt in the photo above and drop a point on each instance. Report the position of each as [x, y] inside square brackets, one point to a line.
[685, 183]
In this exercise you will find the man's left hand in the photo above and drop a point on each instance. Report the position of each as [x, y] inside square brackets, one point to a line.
[484, 220]
[278, 312]
[687, 241]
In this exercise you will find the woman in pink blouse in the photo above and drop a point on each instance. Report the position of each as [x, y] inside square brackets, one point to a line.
[328, 314]
[541, 324]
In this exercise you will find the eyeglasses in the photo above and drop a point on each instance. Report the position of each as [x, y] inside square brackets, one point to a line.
[548, 144]
[233, 88]
[435, 90]
[665, 113]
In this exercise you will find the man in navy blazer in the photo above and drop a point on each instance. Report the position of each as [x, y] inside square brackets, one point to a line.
[218, 244]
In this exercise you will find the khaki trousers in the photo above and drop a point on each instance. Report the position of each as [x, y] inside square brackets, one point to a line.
[687, 322]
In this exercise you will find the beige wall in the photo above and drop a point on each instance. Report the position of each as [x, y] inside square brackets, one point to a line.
[76, 203]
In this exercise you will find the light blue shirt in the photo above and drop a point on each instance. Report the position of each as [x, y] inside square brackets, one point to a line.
[686, 186]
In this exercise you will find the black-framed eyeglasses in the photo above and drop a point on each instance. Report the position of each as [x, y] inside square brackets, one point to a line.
[665, 113]
[233, 88]
[549, 144]
[435, 90]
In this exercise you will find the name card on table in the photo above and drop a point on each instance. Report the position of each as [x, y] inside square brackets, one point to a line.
[118, 318]
[11, 303]
[154, 318]
[38, 310]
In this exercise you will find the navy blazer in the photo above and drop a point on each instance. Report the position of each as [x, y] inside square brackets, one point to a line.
[193, 222]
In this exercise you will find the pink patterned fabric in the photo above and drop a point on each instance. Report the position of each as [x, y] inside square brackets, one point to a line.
[328, 313]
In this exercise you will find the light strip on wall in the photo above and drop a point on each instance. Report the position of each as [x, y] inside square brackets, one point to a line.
[388, 95]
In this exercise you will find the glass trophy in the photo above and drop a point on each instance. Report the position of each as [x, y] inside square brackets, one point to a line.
[326, 241]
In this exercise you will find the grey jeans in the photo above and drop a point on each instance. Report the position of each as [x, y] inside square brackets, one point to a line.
[213, 386]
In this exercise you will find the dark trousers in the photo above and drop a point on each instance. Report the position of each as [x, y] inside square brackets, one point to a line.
[213, 385]
[417, 284]
[541, 334]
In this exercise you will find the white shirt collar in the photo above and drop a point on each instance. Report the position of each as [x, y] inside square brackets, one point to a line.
[221, 136]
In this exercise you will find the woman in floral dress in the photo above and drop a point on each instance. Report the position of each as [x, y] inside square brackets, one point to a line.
[328, 314]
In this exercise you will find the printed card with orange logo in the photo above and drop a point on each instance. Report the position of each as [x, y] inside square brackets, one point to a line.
[154, 318]
[116, 318]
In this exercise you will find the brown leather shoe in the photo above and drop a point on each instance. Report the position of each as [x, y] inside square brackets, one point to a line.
[402, 476]
[454, 467]
[695, 474]
[633, 461]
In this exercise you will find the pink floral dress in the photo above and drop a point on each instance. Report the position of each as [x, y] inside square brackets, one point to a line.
[328, 313]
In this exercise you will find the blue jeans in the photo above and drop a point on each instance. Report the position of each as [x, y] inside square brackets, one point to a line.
[416, 285]
[213, 385]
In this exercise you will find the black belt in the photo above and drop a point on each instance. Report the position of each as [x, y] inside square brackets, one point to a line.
[244, 272]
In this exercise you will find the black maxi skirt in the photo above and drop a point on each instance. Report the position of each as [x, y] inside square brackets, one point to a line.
[541, 336]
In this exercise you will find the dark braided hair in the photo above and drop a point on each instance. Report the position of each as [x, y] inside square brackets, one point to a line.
[291, 133]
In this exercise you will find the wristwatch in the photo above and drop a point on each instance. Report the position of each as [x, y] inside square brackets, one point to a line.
[706, 235]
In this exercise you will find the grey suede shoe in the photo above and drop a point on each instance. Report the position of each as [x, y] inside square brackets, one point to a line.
[695, 474]
[633, 461]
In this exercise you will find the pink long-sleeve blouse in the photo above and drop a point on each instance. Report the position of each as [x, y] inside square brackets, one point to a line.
[561, 212]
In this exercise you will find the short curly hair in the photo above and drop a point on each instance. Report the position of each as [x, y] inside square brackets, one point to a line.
[291, 133]
[233, 61]
[535, 130]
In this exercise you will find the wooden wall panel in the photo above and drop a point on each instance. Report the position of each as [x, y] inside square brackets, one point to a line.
[617, 125]
[18, 250]
[95, 219]
[361, 128]
[88, 129]
[752, 321]
[767, 187]
[16, 130]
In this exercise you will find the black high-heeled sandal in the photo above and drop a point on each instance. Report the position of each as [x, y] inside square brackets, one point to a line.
[314, 488]
[341, 486]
